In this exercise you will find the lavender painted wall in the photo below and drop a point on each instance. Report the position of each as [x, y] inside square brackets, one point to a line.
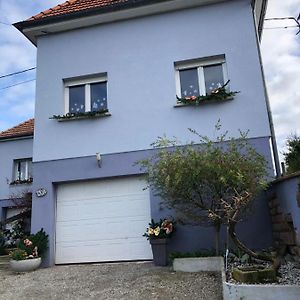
[9, 151]
[138, 56]
[49, 174]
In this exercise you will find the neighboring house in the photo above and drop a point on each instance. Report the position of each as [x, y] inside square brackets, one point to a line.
[16, 175]
[109, 71]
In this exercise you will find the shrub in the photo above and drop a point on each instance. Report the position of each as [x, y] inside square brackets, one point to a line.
[18, 254]
[33, 242]
[292, 156]
[203, 253]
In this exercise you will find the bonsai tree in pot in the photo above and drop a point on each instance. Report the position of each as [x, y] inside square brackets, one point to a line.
[27, 256]
[158, 234]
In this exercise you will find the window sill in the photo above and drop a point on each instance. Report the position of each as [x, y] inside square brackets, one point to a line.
[18, 182]
[82, 117]
[203, 102]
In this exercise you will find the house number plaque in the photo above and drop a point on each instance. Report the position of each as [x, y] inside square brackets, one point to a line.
[41, 192]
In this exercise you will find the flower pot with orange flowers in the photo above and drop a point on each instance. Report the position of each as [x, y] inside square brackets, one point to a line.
[159, 233]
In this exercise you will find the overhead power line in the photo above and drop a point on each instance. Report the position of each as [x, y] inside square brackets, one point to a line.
[285, 18]
[22, 82]
[18, 72]
[281, 27]
[3, 23]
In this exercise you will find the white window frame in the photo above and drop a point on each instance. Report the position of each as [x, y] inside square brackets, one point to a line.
[87, 91]
[16, 173]
[199, 64]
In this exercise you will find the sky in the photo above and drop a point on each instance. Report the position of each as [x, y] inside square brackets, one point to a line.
[280, 52]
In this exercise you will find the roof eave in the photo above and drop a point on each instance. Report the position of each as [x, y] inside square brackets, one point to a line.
[16, 137]
[262, 18]
[52, 24]
[262, 15]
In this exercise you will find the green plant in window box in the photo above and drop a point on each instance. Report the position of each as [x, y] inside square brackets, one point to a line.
[80, 114]
[218, 94]
[24, 181]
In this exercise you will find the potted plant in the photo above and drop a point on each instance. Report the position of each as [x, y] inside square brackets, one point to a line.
[27, 256]
[158, 234]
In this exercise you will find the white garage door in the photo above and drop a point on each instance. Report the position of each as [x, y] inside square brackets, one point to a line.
[102, 221]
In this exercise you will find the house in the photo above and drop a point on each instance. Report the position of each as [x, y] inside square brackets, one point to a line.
[16, 145]
[108, 73]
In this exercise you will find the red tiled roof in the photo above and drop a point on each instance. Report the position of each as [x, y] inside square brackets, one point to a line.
[73, 6]
[22, 129]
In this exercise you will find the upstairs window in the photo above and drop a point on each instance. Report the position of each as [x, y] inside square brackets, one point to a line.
[22, 170]
[200, 77]
[86, 95]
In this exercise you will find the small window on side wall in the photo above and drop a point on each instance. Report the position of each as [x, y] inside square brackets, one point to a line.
[22, 170]
[86, 95]
[200, 77]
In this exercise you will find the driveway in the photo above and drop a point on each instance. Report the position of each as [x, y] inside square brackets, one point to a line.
[110, 281]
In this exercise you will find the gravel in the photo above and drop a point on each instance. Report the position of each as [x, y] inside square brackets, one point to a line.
[289, 273]
[110, 281]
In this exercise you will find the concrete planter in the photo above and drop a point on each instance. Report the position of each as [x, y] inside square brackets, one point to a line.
[25, 265]
[260, 292]
[199, 264]
[255, 274]
[159, 250]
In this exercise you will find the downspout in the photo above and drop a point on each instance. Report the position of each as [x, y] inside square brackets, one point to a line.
[272, 131]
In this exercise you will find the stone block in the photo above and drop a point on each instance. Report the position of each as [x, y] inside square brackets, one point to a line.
[273, 203]
[273, 211]
[254, 274]
[289, 218]
[277, 218]
[198, 264]
[279, 227]
[276, 235]
[260, 292]
[288, 238]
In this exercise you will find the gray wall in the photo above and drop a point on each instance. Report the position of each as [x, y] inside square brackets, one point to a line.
[138, 56]
[287, 190]
[257, 232]
[10, 150]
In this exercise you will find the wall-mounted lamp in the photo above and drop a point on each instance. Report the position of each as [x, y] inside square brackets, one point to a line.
[99, 159]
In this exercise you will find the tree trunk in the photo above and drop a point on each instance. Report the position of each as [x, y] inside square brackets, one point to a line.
[244, 248]
[217, 227]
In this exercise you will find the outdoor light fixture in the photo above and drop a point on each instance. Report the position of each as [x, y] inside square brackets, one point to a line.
[99, 160]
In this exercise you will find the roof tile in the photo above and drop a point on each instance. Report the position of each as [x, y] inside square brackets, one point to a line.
[76, 5]
[23, 129]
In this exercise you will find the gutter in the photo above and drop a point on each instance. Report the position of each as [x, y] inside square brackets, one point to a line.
[16, 137]
[272, 131]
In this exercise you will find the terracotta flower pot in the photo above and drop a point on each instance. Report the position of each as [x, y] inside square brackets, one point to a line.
[159, 250]
[25, 265]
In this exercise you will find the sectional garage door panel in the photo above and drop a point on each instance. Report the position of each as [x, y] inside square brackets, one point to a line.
[102, 221]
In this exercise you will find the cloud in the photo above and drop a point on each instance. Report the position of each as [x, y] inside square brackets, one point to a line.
[17, 53]
[281, 58]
